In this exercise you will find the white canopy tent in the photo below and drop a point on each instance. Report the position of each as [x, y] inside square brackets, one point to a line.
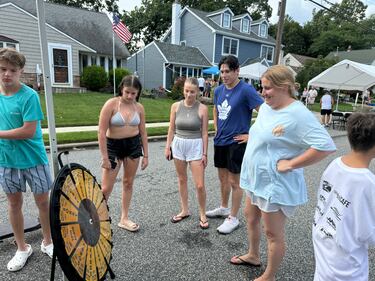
[346, 75]
[253, 71]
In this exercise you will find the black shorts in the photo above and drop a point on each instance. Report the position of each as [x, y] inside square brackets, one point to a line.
[229, 156]
[201, 89]
[326, 112]
[126, 147]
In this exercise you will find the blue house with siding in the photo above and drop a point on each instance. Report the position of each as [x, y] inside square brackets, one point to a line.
[213, 34]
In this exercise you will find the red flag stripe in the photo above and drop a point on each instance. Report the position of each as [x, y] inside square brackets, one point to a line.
[122, 31]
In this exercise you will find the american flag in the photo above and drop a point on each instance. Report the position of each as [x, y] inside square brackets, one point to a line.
[121, 30]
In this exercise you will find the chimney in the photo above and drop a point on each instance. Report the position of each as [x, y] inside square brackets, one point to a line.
[176, 23]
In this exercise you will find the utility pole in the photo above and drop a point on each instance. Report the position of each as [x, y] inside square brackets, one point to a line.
[279, 34]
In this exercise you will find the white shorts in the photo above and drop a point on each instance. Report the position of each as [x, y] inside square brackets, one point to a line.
[187, 149]
[268, 207]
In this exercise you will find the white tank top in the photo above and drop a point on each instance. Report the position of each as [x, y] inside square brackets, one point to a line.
[326, 102]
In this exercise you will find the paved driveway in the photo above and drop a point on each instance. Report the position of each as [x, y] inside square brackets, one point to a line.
[165, 251]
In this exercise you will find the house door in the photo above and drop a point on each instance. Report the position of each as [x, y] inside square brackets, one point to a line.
[61, 64]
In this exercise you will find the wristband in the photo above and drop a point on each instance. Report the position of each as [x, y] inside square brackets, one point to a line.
[145, 156]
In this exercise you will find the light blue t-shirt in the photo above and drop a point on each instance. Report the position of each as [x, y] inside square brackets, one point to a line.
[23, 106]
[275, 135]
[234, 109]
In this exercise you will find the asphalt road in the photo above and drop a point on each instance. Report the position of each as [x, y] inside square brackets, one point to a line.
[165, 251]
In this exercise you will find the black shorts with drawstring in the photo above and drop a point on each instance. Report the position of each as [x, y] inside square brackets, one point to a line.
[126, 147]
[229, 156]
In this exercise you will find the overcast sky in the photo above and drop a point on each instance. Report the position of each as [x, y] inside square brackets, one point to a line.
[299, 10]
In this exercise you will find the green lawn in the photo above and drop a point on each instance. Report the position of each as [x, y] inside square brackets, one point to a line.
[75, 109]
[345, 107]
[93, 136]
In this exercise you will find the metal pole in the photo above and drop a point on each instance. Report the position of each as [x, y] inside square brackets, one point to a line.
[47, 85]
[113, 63]
[279, 34]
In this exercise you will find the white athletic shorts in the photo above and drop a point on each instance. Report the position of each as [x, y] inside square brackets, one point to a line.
[187, 149]
[268, 207]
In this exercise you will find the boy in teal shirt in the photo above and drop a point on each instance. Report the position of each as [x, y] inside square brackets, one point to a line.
[23, 158]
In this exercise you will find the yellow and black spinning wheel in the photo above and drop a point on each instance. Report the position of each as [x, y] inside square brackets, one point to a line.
[80, 225]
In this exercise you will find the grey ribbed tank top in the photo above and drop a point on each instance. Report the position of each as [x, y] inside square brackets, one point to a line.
[188, 123]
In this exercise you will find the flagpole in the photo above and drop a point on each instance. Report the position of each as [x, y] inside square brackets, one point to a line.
[113, 63]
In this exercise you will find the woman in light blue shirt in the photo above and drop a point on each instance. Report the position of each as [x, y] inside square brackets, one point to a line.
[285, 138]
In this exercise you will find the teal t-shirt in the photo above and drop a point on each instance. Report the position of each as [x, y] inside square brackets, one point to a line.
[23, 106]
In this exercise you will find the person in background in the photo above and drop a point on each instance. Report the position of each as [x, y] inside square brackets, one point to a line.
[201, 82]
[326, 105]
[304, 95]
[344, 221]
[296, 88]
[23, 157]
[207, 88]
[285, 137]
[123, 141]
[234, 102]
[311, 96]
[188, 141]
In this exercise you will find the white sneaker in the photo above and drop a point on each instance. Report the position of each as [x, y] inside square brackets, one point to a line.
[230, 224]
[20, 258]
[218, 212]
[48, 250]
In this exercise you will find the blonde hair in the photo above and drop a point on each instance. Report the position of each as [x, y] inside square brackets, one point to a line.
[192, 81]
[280, 76]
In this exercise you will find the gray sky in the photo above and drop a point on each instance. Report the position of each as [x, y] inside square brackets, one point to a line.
[299, 10]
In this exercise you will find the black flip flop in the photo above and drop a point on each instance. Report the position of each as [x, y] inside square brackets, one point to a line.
[177, 218]
[202, 223]
[243, 262]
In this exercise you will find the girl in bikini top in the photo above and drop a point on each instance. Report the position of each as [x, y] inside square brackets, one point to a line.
[118, 119]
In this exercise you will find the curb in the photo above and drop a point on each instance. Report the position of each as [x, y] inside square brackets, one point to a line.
[81, 145]
[77, 146]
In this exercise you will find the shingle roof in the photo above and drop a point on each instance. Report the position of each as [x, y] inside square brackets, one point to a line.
[93, 29]
[234, 32]
[7, 39]
[302, 59]
[182, 54]
[366, 56]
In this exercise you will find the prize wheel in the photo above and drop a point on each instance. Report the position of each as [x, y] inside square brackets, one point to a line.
[80, 225]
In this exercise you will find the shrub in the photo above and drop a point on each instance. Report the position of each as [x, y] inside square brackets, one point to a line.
[94, 77]
[120, 73]
[177, 91]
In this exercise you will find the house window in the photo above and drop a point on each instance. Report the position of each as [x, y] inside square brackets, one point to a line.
[190, 72]
[267, 52]
[287, 62]
[118, 63]
[102, 62]
[9, 45]
[245, 25]
[199, 72]
[110, 64]
[230, 46]
[183, 71]
[263, 30]
[93, 60]
[226, 20]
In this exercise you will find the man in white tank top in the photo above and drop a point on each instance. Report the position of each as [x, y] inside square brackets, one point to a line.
[326, 104]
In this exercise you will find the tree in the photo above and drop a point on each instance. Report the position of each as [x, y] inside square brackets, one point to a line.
[151, 20]
[312, 68]
[343, 26]
[294, 38]
[96, 5]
